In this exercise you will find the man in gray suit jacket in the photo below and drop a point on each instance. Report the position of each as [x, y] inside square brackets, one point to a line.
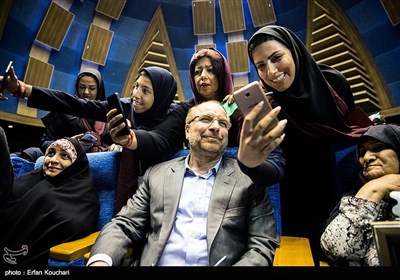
[195, 210]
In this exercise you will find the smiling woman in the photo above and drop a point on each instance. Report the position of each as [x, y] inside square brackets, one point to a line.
[55, 203]
[317, 101]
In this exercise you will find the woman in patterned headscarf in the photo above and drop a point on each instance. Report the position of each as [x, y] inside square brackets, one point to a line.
[56, 203]
[348, 238]
[151, 100]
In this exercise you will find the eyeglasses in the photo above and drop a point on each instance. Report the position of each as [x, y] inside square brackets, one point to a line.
[209, 119]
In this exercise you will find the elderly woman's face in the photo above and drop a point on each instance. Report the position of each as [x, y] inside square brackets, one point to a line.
[376, 159]
[205, 79]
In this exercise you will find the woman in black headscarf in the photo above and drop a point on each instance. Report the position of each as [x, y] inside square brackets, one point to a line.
[151, 100]
[322, 119]
[348, 238]
[54, 204]
[89, 84]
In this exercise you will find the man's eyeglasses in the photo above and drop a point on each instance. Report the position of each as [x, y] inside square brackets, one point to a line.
[208, 120]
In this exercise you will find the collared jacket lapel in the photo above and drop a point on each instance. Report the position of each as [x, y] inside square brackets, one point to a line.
[220, 197]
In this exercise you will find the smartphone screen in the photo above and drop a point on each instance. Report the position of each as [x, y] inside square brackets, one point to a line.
[3, 81]
[249, 96]
[114, 102]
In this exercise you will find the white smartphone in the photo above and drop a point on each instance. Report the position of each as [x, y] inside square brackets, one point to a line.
[249, 96]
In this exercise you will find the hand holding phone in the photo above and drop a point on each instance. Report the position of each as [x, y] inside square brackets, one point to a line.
[4, 80]
[249, 96]
[115, 103]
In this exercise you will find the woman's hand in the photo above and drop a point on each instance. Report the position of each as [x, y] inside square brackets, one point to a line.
[115, 147]
[379, 188]
[10, 83]
[257, 141]
[230, 99]
[123, 140]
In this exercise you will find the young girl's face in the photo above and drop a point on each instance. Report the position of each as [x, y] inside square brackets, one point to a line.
[87, 87]
[275, 64]
[142, 95]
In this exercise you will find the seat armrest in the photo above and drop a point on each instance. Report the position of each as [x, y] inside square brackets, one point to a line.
[87, 255]
[293, 251]
[73, 250]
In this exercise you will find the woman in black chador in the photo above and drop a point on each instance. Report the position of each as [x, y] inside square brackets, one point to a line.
[53, 204]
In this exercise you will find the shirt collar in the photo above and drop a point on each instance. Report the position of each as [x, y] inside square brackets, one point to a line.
[191, 172]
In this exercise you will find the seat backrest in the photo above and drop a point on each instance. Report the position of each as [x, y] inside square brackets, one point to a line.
[21, 166]
[273, 191]
[104, 166]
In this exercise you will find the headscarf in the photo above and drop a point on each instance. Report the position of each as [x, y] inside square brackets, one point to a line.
[101, 92]
[66, 146]
[43, 211]
[164, 90]
[388, 134]
[310, 103]
[222, 71]
[97, 128]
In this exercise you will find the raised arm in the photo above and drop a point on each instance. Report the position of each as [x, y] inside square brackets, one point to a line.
[168, 136]
[260, 156]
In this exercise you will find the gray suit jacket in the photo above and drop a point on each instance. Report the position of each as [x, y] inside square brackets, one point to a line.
[240, 223]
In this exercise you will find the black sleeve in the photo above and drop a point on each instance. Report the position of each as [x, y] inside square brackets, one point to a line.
[270, 172]
[6, 170]
[166, 137]
[61, 102]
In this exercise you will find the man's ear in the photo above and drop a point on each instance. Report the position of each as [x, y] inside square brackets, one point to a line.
[187, 127]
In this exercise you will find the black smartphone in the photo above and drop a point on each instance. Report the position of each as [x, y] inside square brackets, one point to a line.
[3, 81]
[249, 96]
[114, 102]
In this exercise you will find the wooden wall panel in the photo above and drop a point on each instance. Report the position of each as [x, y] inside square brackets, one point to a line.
[237, 57]
[232, 15]
[203, 17]
[55, 26]
[262, 12]
[5, 8]
[97, 44]
[110, 8]
[199, 47]
[38, 73]
[392, 8]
